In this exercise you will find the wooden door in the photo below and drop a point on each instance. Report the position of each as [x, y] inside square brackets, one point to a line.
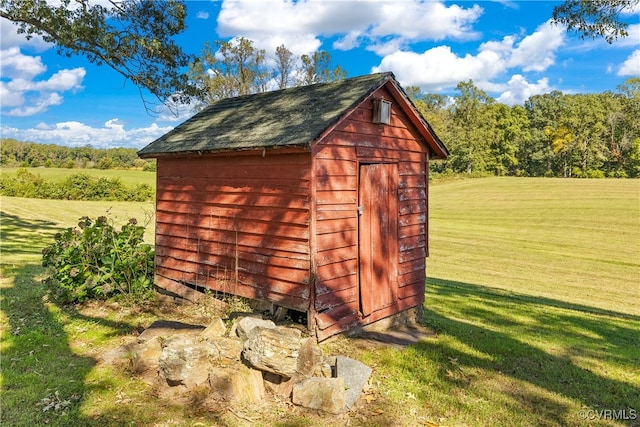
[378, 236]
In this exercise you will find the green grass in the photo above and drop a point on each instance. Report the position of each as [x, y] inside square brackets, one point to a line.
[127, 176]
[573, 240]
[533, 291]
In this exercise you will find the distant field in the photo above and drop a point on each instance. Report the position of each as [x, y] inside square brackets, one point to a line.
[128, 177]
[569, 240]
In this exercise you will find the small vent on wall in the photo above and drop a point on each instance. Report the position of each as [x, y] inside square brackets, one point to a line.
[381, 111]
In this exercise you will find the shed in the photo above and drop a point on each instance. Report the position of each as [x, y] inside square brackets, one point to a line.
[312, 198]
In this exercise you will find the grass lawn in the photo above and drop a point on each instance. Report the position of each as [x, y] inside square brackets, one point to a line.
[128, 177]
[532, 292]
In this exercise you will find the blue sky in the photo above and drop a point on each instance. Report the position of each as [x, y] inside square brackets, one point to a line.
[508, 48]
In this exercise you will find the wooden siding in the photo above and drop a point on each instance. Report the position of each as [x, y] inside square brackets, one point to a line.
[237, 224]
[336, 159]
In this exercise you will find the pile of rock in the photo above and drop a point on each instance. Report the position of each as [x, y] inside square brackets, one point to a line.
[254, 357]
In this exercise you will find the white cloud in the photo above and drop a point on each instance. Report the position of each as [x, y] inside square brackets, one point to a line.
[631, 67]
[633, 39]
[76, 134]
[202, 15]
[15, 64]
[536, 52]
[37, 106]
[22, 94]
[440, 68]
[378, 23]
[9, 37]
[518, 89]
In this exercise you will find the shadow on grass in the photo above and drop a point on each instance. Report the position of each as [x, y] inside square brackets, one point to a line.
[44, 381]
[565, 351]
[25, 237]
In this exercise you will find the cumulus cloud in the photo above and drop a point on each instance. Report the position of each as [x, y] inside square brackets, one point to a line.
[536, 52]
[440, 68]
[9, 37]
[631, 67]
[14, 63]
[378, 24]
[518, 89]
[22, 94]
[77, 134]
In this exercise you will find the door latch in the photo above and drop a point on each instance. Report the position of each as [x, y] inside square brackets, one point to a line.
[360, 210]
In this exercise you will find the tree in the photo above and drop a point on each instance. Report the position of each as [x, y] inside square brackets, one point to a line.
[594, 18]
[316, 68]
[473, 124]
[237, 67]
[511, 132]
[544, 113]
[285, 65]
[133, 37]
[228, 69]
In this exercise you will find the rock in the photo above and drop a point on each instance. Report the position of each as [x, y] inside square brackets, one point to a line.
[310, 358]
[168, 328]
[355, 375]
[145, 357]
[215, 329]
[246, 324]
[236, 383]
[273, 350]
[279, 385]
[326, 394]
[186, 361]
[229, 348]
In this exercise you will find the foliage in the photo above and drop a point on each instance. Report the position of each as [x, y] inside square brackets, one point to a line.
[236, 67]
[133, 37]
[15, 153]
[594, 18]
[581, 135]
[79, 186]
[94, 260]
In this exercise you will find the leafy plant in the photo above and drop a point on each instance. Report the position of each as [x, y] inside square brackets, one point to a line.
[95, 260]
[79, 186]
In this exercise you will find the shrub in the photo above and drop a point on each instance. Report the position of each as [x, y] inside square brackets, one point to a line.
[95, 261]
[78, 186]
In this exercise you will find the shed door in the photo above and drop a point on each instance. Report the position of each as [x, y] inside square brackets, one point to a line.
[378, 236]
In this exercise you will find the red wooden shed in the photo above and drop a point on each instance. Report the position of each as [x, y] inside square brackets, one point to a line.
[313, 198]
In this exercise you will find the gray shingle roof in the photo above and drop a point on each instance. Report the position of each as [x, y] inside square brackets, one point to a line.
[284, 118]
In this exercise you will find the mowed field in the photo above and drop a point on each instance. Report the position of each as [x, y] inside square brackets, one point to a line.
[127, 176]
[576, 241]
[533, 291]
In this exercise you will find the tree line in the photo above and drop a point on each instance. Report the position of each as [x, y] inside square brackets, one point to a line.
[554, 134]
[14, 153]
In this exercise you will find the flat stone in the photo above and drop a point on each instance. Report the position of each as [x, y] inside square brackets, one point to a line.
[278, 385]
[186, 361]
[236, 383]
[245, 325]
[145, 356]
[229, 348]
[355, 375]
[168, 328]
[273, 350]
[310, 358]
[215, 329]
[326, 394]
